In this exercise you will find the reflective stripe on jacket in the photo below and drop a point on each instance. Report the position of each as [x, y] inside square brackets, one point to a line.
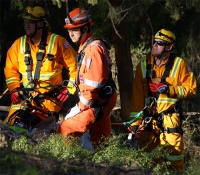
[61, 52]
[181, 80]
[94, 72]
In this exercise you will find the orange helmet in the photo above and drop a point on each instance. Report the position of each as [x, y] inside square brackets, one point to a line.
[77, 18]
[36, 13]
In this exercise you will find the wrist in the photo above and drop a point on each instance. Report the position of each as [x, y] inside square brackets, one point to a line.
[15, 89]
[171, 92]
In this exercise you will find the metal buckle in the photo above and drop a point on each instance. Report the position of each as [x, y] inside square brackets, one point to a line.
[167, 130]
[147, 119]
[109, 89]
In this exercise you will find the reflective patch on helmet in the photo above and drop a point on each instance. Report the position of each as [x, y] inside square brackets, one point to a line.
[81, 79]
[66, 44]
[189, 69]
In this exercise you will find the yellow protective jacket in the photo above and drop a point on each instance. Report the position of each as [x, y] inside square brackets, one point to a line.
[62, 55]
[182, 84]
[94, 72]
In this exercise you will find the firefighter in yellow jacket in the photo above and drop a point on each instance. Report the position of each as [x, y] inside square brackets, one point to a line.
[37, 59]
[160, 83]
[96, 88]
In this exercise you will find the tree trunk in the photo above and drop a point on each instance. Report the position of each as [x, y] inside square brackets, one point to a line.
[124, 66]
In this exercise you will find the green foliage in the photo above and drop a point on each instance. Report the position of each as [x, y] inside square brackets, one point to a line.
[17, 5]
[115, 14]
[92, 2]
[21, 144]
[58, 3]
[114, 152]
[11, 163]
[139, 52]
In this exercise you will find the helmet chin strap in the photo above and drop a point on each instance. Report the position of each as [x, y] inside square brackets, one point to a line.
[82, 32]
[160, 55]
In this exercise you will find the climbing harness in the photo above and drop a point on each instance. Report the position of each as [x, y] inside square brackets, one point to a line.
[107, 90]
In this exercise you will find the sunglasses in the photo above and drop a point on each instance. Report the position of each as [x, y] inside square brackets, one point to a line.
[160, 43]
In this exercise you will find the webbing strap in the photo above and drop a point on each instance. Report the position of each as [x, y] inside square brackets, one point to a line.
[110, 85]
[28, 61]
[168, 67]
[40, 55]
[174, 130]
[80, 56]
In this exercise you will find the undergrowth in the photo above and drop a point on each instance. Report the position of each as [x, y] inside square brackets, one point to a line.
[51, 156]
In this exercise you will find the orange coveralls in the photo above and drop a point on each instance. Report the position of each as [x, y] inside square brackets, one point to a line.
[182, 84]
[93, 74]
[62, 55]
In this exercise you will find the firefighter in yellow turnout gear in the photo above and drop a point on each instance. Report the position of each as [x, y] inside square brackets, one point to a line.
[168, 79]
[37, 59]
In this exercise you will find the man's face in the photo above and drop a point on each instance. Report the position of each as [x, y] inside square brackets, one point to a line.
[75, 34]
[158, 47]
[30, 26]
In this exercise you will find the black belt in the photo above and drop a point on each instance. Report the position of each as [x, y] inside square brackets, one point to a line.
[176, 130]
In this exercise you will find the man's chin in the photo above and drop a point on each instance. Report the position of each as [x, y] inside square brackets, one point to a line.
[74, 40]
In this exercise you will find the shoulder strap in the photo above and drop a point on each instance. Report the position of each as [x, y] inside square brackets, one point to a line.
[28, 62]
[168, 67]
[40, 55]
[150, 72]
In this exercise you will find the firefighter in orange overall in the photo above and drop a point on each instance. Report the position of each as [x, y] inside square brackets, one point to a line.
[97, 95]
[37, 59]
[160, 83]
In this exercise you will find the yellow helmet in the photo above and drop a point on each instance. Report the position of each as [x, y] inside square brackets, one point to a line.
[166, 35]
[36, 13]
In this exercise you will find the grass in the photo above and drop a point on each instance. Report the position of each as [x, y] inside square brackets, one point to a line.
[52, 156]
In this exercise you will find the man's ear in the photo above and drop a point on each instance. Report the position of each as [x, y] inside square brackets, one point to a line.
[169, 47]
[41, 24]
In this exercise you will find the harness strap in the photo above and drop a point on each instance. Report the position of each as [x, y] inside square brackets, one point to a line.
[168, 67]
[176, 130]
[80, 56]
[40, 55]
[28, 62]
[108, 89]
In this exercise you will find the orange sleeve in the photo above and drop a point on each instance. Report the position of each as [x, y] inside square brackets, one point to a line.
[67, 56]
[12, 75]
[94, 72]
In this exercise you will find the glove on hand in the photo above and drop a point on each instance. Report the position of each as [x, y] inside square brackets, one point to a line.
[63, 95]
[160, 87]
[16, 96]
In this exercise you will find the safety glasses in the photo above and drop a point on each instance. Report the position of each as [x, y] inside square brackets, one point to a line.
[160, 43]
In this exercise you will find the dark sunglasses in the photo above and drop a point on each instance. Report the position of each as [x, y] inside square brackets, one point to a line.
[160, 43]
